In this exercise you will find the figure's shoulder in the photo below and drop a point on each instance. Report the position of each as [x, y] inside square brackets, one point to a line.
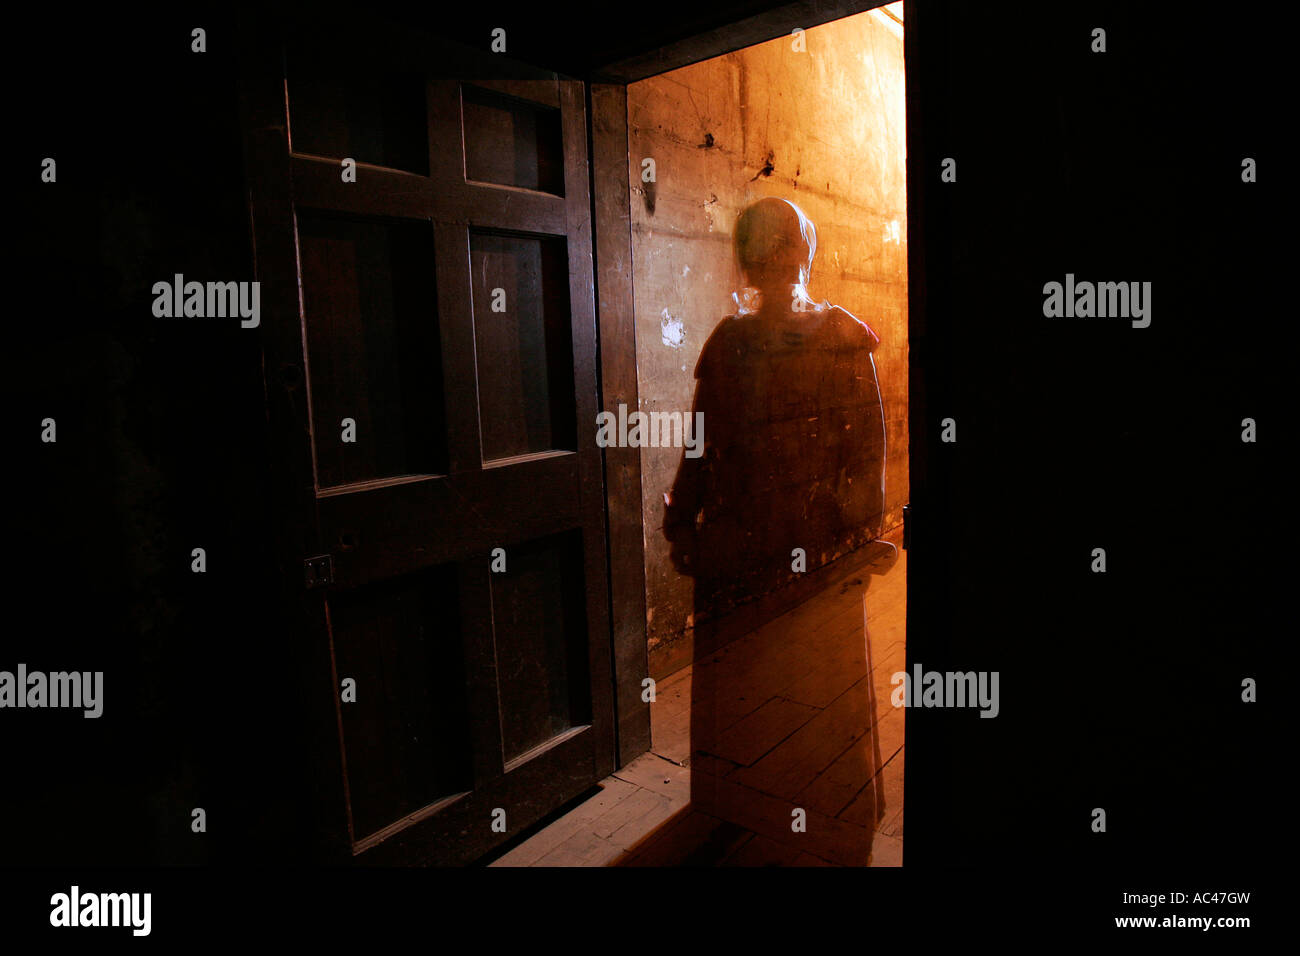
[850, 327]
[731, 333]
[725, 340]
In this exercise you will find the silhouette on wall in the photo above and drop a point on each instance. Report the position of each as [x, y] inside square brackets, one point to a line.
[793, 462]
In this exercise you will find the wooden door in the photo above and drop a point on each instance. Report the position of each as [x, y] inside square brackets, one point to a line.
[430, 346]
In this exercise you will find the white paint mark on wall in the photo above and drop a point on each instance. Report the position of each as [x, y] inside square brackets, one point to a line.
[673, 331]
[893, 232]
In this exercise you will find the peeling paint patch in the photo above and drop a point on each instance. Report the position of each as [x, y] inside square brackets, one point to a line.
[672, 331]
[709, 206]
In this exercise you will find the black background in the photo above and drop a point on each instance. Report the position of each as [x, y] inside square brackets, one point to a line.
[1119, 691]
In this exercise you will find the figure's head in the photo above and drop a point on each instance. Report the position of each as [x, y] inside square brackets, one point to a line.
[775, 244]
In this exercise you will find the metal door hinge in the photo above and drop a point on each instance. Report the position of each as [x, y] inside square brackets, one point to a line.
[318, 572]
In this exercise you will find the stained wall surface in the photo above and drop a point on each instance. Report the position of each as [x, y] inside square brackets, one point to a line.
[822, 126]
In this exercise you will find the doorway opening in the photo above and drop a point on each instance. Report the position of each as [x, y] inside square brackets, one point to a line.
[769, 277]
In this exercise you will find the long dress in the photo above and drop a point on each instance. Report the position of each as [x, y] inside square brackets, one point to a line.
[794, 458]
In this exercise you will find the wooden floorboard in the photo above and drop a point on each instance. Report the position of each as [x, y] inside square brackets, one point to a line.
[671, 845]
[836, 841]
[659, 775]
[841, 782]
[578, 820]
[763, 730]
[787, 770]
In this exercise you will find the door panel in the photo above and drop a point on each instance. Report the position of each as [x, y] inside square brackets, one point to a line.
[522, 344]
[447, 310]
[401, 640]
[376, 116]
[538, 610]
[373, 351]
[511, 141]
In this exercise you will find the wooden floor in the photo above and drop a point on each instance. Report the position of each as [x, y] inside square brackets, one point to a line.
[791, 728]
